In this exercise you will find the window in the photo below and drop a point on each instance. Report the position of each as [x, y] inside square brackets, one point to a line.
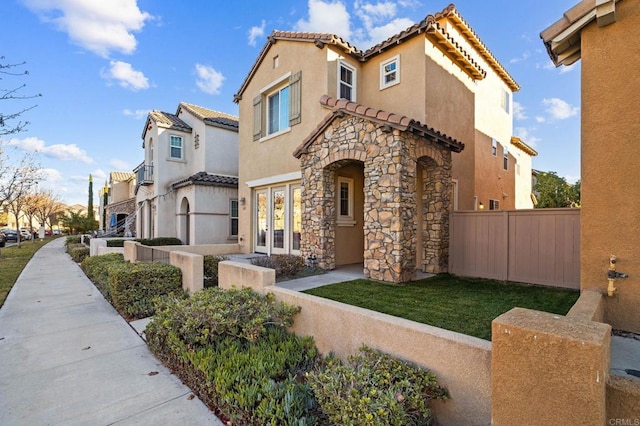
[506, 158]
[494, 205]
[345, 202]
[494, 147]
[278, 111]
[233, 218]
[276, 61]
[175, 147]
[346, 82]
[390, 72]
[505, 101]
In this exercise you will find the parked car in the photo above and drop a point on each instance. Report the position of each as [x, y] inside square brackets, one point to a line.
[3, 239]
[25, 233]
[12, 235]
[47, 232]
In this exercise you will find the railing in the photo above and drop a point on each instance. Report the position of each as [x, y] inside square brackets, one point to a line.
[144, 175]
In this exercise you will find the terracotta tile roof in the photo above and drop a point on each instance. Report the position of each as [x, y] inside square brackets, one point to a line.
[207, 179]
[121, 176]
[169, 121]
[210, 116]
[518, 143]
[340, 107]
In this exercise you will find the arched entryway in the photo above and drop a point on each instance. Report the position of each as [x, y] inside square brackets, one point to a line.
[184, 222]
[349, 211]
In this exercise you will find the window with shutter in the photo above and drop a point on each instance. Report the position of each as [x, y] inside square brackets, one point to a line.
[257, 117]
[295, 104]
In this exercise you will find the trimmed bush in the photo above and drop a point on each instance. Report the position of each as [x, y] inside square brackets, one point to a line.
[78, 252]
[160, 241]
[285, 265]
[133, 286]
[375, 389]
[226, 346]
[115, 243]
[72, 239]
[211, 270]
[96, 268]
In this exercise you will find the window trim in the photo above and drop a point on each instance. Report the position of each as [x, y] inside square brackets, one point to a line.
[353, 85]
[505, 157]
[171, 146]
[348, 219]
[494, 147]
[383, 74]
[505, 101]
[232, 217]
[494, 204]
[268, 96]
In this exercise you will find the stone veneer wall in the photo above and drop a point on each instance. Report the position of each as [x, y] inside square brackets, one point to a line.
[390, 158]
[127, 207]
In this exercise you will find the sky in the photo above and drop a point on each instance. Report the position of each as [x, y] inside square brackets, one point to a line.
[101, 66]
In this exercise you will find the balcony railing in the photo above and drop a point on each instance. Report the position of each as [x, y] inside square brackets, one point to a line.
[145, 175]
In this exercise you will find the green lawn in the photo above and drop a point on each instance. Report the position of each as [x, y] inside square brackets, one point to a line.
[465, 305]
[13, 260]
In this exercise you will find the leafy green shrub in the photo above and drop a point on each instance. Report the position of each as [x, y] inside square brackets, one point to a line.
[115, 243]
[209, 314]
[225, 345]
[72, 239]
[133, 286]
[375, 389]
[78, 252]
[211, 270]
[160, 241]
[96, 268]
[286, 265]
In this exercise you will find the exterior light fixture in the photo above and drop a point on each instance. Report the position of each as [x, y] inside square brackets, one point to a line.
[481, 206]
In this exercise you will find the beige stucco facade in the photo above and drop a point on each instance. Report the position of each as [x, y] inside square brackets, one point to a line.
[603, 37]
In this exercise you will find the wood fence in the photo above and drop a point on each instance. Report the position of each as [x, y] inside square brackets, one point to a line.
[540, 246]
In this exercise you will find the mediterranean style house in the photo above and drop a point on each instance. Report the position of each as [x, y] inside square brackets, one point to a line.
[188, 182]
[351, 156]
[604, 34]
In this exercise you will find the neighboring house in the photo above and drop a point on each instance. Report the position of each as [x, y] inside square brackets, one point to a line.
[119, 212]
[187, 184]
[523, 154]
[604, 34]
[378, 137]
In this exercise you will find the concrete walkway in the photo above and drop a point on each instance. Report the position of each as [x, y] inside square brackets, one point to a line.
[67, 357]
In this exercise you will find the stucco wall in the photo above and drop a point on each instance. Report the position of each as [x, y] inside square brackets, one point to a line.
[492, 180]
[610, 128]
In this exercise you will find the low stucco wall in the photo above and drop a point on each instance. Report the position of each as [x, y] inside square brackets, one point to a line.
[623, 401]
[548, 369]
[130, 251]
[588, 307]
[192, 267]
[462, 363]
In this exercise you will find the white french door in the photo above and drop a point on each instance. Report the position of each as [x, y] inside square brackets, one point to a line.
[278, 219]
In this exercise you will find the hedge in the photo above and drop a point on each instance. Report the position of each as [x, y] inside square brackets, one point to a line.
[96, 268]
[78, 252]
[211, 269]
[160, 241]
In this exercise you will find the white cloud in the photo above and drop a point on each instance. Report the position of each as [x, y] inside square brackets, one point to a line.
[99, 174]
[58, 151]
[540, 119]
[209, 80]
[549, 65]
[98, 26]
[379, 21]
[565, 69]
[51, 175]
[126, 76]
[518, 111]
[520, 58]
[138, 114]
[326, 17]
[559, 109]
[255, 33]
[524, 134]
[120, 165]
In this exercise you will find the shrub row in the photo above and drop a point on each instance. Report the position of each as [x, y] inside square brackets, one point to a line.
[211, 270]
[285, 265]
[232, 349]
[159, 241]
[132, 287]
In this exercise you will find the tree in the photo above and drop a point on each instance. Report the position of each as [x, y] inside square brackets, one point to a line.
[77, 222]
[553, 191]
[90, 213]
[8, 125]
[48, 206]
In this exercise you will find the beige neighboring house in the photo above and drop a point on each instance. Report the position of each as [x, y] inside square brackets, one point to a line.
[120, 210]
[187, 184]
[350, 156]
[523, 153]
[604, 35]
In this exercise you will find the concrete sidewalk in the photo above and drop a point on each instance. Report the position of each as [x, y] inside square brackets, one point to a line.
[67, 357]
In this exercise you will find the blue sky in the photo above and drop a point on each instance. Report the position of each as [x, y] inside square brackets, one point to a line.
[102, 65]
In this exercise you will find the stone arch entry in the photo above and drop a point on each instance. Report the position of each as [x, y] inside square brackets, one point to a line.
[406, 181]
[185, 225]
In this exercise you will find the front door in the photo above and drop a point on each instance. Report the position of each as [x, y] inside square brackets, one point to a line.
[262, 221]
[278, 219]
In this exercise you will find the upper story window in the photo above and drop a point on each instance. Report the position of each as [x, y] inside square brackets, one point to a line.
[278, 110]
[150, 152]
[282, 106]
[494, 147]
[390, 72]
[505, 101]
[346, 81]
[505, 158]
[175, 147]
